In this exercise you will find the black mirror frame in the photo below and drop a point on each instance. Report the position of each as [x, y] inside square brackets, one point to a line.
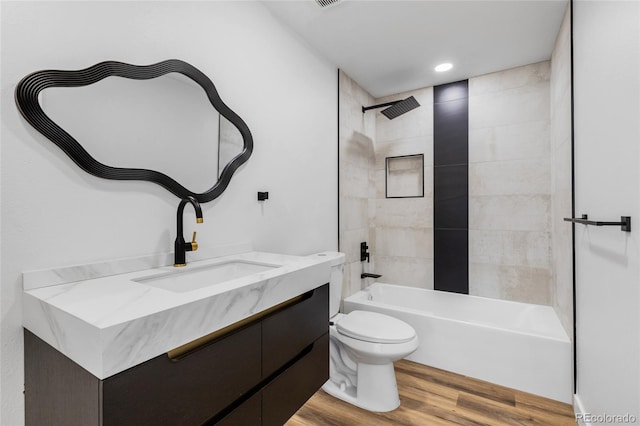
[26, 96]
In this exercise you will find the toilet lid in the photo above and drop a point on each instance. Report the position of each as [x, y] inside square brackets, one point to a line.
[375, 328]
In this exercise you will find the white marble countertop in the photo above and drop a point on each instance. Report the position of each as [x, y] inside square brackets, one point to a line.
[112, 323]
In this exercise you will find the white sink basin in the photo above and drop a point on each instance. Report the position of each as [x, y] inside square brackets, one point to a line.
[190, 279]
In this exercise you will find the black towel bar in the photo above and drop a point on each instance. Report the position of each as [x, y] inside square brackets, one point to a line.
[624, 224]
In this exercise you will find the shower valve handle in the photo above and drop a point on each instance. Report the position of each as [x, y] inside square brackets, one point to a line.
[364, 255]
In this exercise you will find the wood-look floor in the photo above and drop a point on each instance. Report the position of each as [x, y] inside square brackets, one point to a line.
[429, 396]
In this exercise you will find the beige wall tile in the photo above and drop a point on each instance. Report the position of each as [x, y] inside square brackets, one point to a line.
[561, 122]
[514, 78]
[415, 123]
[510, 184]
[510, 177]
[356, 148]
[561, 61]
[380, 183]
[405, 146]
[510, 212]
[404, 242]
[515, 248]
[400, 212]
[508, 282]
[561, 172]
[508, 107]
[357, 178]
[354, 213]
[428, 184]
[561, 236]
[354, 181]
[352, 282]
[409, 271]
[403, 231]
[511, 142]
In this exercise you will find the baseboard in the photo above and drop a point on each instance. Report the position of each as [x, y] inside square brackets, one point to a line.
[578, 409]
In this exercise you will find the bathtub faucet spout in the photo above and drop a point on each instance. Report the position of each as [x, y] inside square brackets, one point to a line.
[368, 275]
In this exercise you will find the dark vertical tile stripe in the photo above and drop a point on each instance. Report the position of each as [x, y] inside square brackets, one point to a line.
[451, 91]
[451, 196]
[451, 132]
[451, 260]
[451, 186]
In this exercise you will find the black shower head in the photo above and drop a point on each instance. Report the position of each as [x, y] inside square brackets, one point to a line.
[396, 108]
[400, 108]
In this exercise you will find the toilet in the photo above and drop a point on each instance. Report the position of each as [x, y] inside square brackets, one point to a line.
[362, 347]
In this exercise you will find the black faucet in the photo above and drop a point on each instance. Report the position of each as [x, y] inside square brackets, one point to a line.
[368, 275]
[180, 246]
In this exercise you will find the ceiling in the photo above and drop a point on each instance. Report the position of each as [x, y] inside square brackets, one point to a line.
[391, 46]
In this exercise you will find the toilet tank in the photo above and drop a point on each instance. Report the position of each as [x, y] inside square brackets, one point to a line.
[335, 282]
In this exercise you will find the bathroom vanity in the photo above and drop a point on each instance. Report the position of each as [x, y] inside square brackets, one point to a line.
[139, 348]
[237, 338]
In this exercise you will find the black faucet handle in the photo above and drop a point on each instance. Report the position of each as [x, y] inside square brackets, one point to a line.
[364, 255]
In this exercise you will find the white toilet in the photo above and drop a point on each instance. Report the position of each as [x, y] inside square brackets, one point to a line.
[363, 347]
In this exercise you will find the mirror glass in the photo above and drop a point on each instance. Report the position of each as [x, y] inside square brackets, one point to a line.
[230, 143]
[165, 124]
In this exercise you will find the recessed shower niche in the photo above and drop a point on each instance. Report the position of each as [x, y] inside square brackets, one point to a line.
[163, 123]
[404, 176]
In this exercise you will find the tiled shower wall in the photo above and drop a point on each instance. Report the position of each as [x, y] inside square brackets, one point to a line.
[403, 227]
[399, 231]
[561, 239]
[356, 181]
[510, 184]
[518, 189]
[509, 189]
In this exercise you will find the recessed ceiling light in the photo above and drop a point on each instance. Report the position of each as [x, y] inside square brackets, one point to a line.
[444, 67]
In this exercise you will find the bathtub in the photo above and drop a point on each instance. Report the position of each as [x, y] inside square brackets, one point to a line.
[518, 345]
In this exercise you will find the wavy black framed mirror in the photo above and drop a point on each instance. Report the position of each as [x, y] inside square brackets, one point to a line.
[140, 122]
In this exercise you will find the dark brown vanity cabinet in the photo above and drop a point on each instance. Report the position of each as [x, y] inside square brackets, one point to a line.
[258, 373]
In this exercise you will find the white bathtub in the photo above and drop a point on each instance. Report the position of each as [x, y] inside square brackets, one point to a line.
[518, 345]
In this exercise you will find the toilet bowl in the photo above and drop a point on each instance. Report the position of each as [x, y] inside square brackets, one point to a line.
[362, 347]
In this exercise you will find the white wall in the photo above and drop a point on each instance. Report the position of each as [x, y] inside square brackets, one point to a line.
[54, 214]
[607, 158]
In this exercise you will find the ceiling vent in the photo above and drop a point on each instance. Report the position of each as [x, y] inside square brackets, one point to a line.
[326, 3]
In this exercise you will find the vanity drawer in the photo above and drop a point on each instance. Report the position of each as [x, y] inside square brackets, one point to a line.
[286, 333]
[290, 390]
[187, 391]
[247, 414]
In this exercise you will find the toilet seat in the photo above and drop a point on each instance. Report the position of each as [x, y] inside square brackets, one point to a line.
[375, 328]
